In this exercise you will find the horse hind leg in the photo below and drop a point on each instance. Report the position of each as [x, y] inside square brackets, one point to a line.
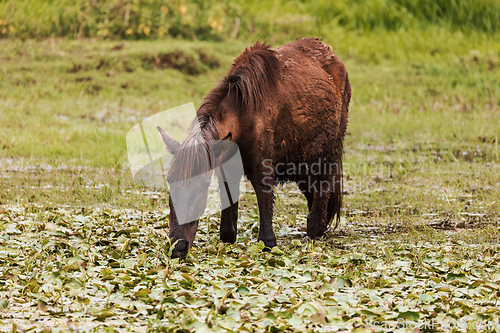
[306, 192]
[335, 202]
[317, 220]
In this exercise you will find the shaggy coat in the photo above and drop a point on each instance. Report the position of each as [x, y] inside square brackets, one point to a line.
[286, 109]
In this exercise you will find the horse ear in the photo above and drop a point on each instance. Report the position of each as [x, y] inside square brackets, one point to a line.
[224, 148]
[170, 142]
[228, 137]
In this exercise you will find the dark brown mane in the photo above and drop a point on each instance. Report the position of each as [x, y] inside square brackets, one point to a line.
[252, 77]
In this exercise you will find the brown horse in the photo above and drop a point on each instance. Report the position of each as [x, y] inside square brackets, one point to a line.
[286, 109]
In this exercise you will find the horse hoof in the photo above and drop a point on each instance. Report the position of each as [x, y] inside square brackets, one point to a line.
[268, 244]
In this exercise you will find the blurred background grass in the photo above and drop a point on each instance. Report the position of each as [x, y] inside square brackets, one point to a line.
[222, 19]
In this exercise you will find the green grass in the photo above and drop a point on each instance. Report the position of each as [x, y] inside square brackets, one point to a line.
[219, 20]
[81, 245]
[378, 15]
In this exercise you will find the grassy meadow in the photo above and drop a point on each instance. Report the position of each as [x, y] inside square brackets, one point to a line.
[83, 248]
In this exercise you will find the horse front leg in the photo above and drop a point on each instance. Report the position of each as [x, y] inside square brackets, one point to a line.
[263, 185]
[228, 224]
[229, 195]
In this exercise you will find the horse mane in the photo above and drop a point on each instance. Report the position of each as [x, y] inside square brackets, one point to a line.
[194, 156]
[252, 77]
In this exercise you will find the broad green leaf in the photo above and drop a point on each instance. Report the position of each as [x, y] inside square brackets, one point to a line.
[409, 315]
[104, 314]
[142, 292]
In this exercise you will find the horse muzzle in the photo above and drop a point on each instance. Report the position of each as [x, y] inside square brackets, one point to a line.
[181, 249]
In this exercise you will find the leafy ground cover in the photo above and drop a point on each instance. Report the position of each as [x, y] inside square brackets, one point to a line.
[84, 248]
[107, 268]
